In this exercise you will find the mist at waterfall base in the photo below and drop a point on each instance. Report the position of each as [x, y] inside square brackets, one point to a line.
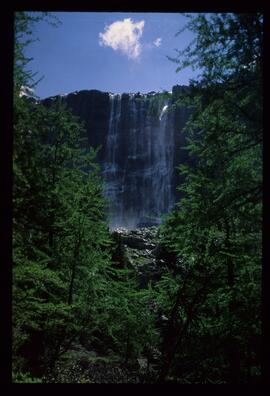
[140, 138]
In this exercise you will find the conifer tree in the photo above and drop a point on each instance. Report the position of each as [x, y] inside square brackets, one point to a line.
[60, 235]
[66, 286]
[216, 228]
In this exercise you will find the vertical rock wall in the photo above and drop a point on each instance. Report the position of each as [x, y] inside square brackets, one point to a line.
[141, 137]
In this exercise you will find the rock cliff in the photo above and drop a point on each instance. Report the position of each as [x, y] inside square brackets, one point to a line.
[141, 140]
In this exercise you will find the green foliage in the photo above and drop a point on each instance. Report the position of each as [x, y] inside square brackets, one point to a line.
[61, 239]
[24, 378]
[214, 325]
[65, 285]
[71, 279]
[60, 236]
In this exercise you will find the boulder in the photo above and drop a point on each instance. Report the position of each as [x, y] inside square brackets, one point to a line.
[136, 242]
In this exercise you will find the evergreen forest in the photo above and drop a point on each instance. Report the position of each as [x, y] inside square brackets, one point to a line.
[82, 311]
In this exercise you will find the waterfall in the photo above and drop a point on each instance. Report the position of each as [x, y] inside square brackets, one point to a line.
[163, 112]
[140, 137]
[110, 166]
[138, 166]
[163, 161]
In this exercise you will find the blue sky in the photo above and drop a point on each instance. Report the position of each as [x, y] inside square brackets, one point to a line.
[109, 51]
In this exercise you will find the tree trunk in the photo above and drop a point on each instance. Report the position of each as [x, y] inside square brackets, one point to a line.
[70, 292]
[73, 268]
[233, 350]
[127, 352]
[176, 333]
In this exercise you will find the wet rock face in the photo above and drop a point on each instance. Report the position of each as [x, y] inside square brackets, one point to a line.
[135, 241]
[141, 139]
[139, 248]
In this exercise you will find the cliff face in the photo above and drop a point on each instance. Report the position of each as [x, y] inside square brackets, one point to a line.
[141, 137]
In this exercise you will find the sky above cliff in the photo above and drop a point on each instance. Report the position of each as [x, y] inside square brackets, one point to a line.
[109, 51]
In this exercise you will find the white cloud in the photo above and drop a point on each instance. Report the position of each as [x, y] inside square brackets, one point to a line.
[157, 42]
[123, 36]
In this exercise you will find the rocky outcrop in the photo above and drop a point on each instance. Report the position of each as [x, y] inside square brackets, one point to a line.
[93, 108]
[141, 252]
[81, 366]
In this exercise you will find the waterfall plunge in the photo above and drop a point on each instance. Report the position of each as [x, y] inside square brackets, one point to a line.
[139, 161]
